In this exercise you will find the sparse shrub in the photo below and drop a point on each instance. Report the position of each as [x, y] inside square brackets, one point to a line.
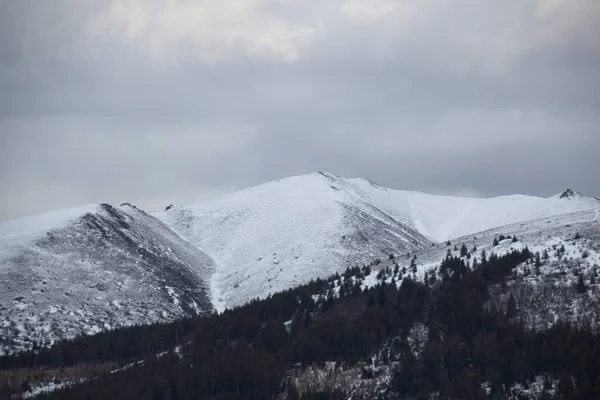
[585, 254]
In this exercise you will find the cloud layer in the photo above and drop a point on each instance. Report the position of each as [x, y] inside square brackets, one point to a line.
[164, 101]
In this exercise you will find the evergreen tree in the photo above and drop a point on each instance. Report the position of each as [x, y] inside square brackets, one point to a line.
[463, 251]
[511, 307]
[580, 286]
[538, 261]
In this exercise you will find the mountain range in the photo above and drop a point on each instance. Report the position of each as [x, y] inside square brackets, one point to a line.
[97, 267]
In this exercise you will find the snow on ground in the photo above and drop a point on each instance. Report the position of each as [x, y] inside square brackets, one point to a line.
[16, 233]
[280, 234]
[446, 217]
[48, 388]
[83, 272]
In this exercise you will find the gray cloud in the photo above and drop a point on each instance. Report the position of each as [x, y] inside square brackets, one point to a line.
[145, 102]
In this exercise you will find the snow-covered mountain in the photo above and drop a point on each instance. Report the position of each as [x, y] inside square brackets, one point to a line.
[97, 267]
[83, 270]
[279, 234]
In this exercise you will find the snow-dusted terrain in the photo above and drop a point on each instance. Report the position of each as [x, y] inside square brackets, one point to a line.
[99, 267]
[94, 268]
[277, 235]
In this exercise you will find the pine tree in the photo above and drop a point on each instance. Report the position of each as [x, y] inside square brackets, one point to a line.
[538, 261]
[511, 307]
[495, 242]
[581, 287]
[370, 302]
[566, 390]
[463, 251]
[381, 297]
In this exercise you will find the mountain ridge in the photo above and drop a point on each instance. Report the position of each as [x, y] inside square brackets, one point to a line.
[189, 260]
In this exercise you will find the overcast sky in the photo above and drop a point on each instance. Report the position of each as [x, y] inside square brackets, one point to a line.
[161, 101]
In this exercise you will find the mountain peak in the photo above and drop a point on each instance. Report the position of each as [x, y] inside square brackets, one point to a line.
[569, 193]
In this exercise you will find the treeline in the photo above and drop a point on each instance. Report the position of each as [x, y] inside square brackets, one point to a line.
[245, 353]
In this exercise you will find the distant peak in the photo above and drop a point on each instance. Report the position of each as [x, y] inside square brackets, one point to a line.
[572, 194]
[568, 194]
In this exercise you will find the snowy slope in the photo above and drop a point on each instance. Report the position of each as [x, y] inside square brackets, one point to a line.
[280, 234]
[445, 217]
[283, 233]
[94, 268]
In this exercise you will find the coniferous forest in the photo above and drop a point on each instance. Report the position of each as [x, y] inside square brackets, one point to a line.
[470, 350]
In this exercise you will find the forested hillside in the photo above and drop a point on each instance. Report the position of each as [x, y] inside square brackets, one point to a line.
[336, 338]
